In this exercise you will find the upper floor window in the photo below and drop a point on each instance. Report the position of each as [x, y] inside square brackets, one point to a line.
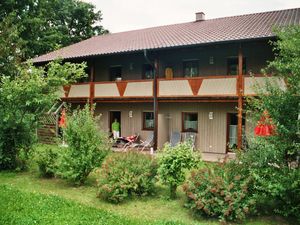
[191, 68]
[115, 73]
[233, 65]
[148, 120]
[148, 71]
[190, 122]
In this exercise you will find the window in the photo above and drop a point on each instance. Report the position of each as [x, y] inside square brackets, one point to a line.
[115, 72]
[233, 64]
[148, 71]
[189, 122]
[232, 130]
[148, 120]
[190, 68]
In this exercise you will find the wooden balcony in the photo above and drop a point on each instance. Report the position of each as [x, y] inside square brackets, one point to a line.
[210, 87]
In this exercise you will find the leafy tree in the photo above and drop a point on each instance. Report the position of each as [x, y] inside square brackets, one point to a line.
[173, 163]
[47, 25]
[273, 161]
[23, 99]
[87, 146]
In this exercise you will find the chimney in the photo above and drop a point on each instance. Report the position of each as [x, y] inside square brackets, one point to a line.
[200, 16]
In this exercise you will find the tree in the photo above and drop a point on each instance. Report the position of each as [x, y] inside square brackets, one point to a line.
[173, 163]
[23, 99]
[87, 146]
[273, 161]
[47, 25]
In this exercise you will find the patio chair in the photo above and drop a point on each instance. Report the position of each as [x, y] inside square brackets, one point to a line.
[190, 137]
[131, 140]
[175, 138]
[144, 144]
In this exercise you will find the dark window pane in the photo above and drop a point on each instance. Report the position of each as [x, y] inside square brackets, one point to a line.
[190, 122]
[190, 69]
[148, 120]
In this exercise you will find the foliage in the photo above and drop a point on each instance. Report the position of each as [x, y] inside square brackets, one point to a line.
[46, 157]
[218, 191]
[273, 161]
[124, 175]
[282, 104]
[173, 163]
[276, 186]
[10, 46]
[23, 99]
[88, 146]
[19, 207]
[44, 28]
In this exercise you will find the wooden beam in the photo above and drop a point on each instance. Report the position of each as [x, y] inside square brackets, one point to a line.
[92, 86]
[240, 94]
[155, 104]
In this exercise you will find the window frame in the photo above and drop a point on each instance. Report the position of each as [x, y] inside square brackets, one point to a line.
[185, 62]
[182, 122]
[145, 69]
[144, 120]
[237, 64]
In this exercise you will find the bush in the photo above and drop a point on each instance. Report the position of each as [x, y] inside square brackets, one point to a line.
[45, 157]
[277, 184]
[87, 146]
[216, 191]
[126, 174]
[173, 163]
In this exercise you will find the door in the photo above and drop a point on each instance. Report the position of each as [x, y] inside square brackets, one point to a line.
[112, 116]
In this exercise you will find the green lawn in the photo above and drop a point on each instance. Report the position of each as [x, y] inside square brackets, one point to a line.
[25, 198]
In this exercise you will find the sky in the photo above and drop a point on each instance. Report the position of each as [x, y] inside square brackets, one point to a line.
[124, 15]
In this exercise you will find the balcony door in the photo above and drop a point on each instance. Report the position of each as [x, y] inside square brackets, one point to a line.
[115, 73]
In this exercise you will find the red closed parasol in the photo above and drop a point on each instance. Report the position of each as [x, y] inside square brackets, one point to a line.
[62, 120]
[265, 126]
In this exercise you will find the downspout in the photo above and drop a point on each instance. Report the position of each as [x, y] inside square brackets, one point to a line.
[155, 101]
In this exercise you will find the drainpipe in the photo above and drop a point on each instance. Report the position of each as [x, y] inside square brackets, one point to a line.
[155, 101]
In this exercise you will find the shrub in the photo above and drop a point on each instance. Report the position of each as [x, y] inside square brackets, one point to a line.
[45, 157]
[87, 146]
[173, 163]
[216, 191]
[126, 174]
[277, 184]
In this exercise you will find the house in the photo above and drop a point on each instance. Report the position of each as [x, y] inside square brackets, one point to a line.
[188, 77]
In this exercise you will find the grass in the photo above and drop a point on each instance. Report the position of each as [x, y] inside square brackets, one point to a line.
[18, 207]
[82, 200]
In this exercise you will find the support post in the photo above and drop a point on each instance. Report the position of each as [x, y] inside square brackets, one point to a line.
[240, 93]
[155, 105]
[92, 86]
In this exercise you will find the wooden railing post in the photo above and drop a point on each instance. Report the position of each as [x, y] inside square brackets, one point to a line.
[92, 86]
[155, 105]
[240, 93]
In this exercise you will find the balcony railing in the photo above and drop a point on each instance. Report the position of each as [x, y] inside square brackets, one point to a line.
[196, 87]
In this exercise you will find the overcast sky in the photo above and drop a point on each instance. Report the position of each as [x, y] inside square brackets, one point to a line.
[123, 15]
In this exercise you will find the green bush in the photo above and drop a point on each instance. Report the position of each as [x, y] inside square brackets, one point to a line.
[217, 191]
[126, 174]
[173, 163]
[276, 184]
[87, 146]
[46, 157]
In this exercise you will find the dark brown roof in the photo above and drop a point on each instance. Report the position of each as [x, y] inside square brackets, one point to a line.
[250, 26]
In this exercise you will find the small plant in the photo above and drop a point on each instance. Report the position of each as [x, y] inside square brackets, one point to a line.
[173, 163]
[215, 191]
[45, 156]
[124, 175]
[87, 146]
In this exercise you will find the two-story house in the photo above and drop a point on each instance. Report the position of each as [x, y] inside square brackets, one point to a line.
[188, 77]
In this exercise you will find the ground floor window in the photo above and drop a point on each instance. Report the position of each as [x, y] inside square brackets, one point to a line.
[232, 130]
[148, 120]
[189, 122]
